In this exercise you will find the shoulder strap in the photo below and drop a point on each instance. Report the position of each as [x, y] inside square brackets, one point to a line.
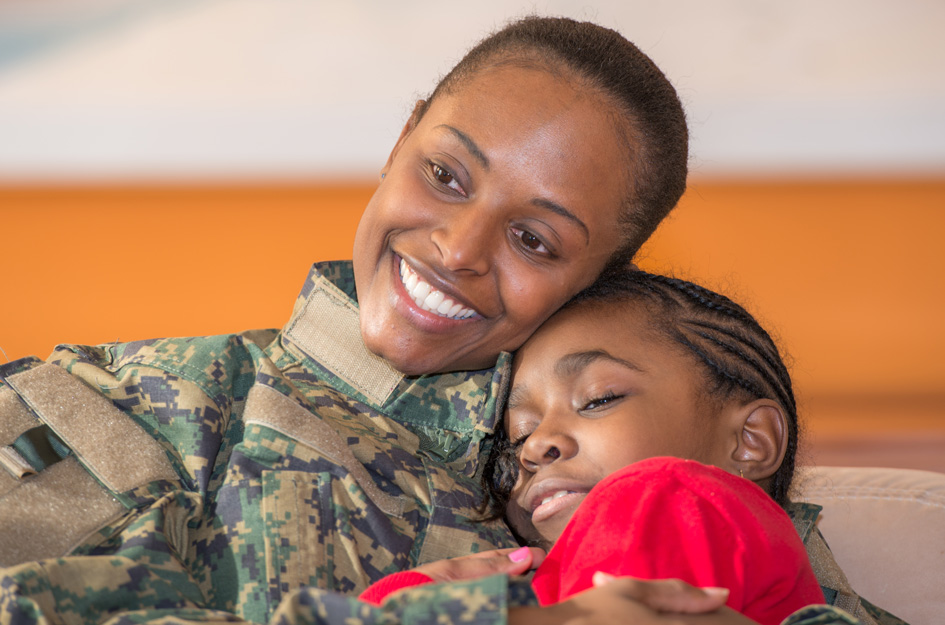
[267, 407]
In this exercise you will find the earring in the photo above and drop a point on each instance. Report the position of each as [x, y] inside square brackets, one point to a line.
[382, 176]
[740, 474]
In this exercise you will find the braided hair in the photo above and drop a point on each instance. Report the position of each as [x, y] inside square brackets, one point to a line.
[738, 357]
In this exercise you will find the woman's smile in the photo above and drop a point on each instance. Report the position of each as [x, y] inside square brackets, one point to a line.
[430, 299]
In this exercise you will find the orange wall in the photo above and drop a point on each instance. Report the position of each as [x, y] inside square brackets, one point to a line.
[851, 274]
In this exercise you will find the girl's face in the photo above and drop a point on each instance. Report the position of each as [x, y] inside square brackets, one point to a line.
[497, 206]
[595, 390]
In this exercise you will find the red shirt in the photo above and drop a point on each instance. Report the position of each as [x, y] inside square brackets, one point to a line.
[671, 518]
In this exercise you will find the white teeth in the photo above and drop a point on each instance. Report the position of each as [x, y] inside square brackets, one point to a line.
[428, 298]
[560, 493]
[433, 300]
[420, 292]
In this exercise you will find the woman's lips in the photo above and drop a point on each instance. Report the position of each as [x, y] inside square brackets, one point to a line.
[430, 299]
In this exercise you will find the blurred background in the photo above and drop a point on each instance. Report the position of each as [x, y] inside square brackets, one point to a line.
[172, 167]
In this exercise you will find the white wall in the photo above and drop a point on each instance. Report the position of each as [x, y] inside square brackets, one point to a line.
[172, 89]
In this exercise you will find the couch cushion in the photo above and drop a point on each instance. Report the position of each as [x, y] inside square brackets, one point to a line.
[886, 528]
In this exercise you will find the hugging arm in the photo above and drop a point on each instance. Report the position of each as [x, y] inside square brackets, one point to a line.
[498, 600]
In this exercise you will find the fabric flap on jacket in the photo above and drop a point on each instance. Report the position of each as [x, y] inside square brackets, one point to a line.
[117, 451]
[50, 513]
[327, 329]
[16, 417]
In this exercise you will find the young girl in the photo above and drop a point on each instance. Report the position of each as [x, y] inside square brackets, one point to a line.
[650, 431]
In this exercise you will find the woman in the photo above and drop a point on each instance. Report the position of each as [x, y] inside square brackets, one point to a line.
[230, 477]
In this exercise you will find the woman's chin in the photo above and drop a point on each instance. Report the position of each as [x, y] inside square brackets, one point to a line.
[401, 358]
[424, 365]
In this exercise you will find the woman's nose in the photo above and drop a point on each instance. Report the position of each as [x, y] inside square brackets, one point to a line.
[547, 444]
[465, 240]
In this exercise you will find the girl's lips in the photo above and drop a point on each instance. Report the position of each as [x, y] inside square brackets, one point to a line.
[553, 504]
[552, 495]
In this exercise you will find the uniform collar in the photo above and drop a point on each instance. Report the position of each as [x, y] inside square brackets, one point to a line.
[450, 412]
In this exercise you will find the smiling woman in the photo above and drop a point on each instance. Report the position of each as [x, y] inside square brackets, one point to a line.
[267, 476]
[502, 216]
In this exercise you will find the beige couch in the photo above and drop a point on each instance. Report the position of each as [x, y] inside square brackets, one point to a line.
[886, 528]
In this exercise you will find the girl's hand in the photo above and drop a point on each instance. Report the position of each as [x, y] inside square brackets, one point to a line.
[513, 561]
[624, 600]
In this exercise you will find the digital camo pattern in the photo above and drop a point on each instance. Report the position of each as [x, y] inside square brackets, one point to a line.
[259, 514]
[829, 615]
[269, 520]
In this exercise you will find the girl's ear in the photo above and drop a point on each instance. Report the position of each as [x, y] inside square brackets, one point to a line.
[418, 110]
[761, 439]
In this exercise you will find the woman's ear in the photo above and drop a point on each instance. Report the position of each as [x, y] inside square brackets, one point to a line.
[418, 109]
[761, 439]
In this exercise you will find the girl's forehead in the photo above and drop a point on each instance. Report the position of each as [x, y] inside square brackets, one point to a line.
[615, 325]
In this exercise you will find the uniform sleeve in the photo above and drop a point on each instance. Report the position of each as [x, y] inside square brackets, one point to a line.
[482, 601]
[376, 593]
[669, 518]
[100, 521]
[821, 615]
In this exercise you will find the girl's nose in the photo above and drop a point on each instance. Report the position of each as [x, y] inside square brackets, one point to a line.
[465, 240]
[547, 444]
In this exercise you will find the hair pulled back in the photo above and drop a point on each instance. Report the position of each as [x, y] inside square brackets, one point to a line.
[656, 134]
[738, 357]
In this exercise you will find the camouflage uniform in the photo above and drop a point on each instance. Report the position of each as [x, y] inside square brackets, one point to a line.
[245, 477]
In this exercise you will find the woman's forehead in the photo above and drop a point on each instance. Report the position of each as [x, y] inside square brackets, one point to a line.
[559, 136]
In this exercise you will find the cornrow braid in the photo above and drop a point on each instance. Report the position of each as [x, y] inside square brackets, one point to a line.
[735, 349]
[739, 355]
[739, 358]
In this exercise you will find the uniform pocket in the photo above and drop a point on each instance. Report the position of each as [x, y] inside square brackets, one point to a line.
[322, 530]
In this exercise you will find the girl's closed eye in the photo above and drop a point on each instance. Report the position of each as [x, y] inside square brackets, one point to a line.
[519, 434]
[603, 401]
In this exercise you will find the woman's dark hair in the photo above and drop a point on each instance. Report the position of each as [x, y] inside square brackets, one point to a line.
[657, 140]
[739, 359]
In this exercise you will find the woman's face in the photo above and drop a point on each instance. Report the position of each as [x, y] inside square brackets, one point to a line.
[594, 390]
[497, 206]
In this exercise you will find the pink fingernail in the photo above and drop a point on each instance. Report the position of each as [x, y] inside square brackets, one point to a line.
[519, 555]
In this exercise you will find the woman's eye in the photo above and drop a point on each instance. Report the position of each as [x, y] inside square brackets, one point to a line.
[530, 241]
[442, 175]
[446, 178]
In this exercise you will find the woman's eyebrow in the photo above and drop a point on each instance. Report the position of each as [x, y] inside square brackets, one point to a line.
[574, 363]
[556, 208]
[469, 143]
